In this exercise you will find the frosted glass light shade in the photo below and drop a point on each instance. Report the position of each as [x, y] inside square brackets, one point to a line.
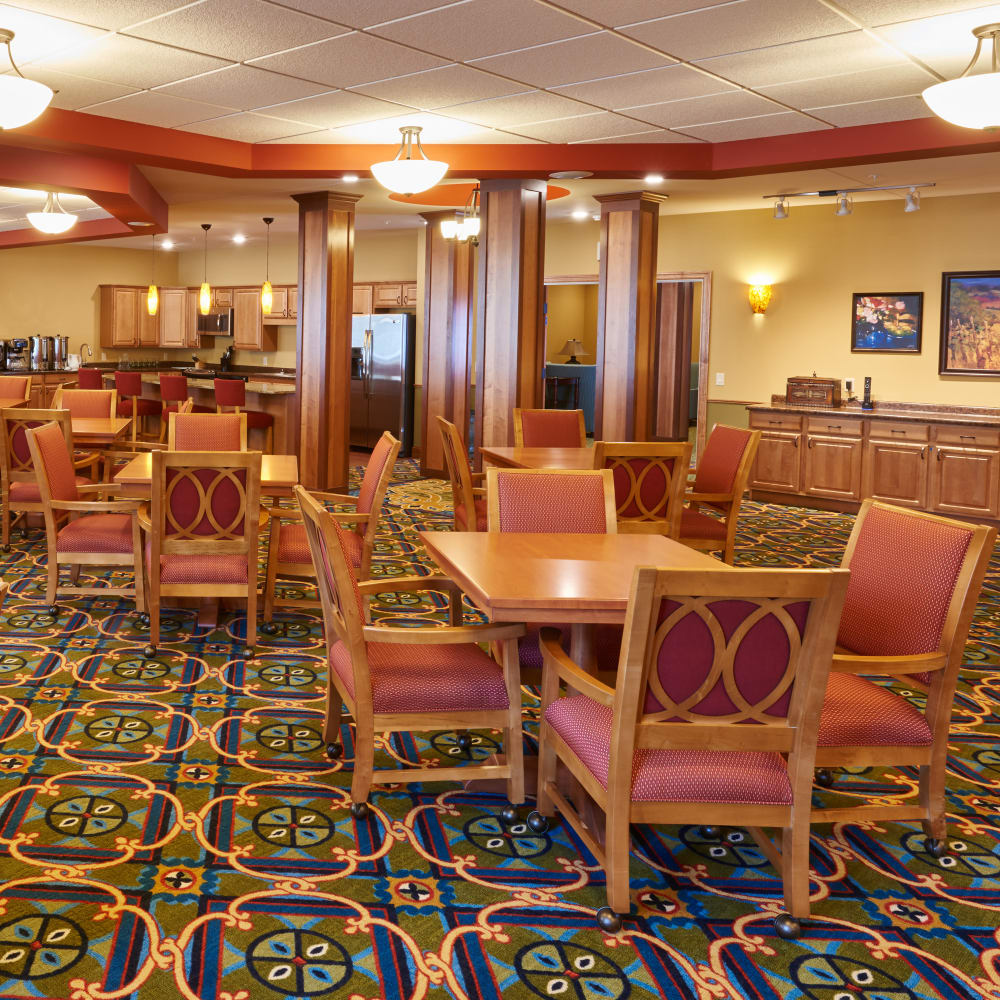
[471, 226]
[21, 101]
[969, 101]
[53, 218]
[409, 176]
[266, 298]
[205, 299]
[449, 228]
[152, 300]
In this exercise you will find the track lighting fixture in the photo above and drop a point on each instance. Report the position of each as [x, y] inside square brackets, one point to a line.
[912, 201]
[781, 208]
[845, 204]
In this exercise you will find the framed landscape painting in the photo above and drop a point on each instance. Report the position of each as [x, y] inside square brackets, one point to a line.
[887, 322]
[970, 323]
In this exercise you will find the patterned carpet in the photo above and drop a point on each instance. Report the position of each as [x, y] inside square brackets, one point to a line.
[171, 826]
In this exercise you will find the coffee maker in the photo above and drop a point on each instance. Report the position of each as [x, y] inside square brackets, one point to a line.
[17, 355]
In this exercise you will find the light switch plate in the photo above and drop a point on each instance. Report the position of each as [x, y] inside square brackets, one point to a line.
[720, 378]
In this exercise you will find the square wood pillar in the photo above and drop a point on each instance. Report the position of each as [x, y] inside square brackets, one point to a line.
[448, 325]
[510, 332]
[626, 316]
[323, 337]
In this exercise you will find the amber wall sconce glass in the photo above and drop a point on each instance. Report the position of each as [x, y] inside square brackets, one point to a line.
[760, 298]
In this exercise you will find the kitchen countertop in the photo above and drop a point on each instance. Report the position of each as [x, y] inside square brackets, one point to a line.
[208, 382]
[980, 416]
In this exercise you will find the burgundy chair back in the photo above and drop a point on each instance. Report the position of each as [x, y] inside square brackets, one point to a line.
[577, 502]
[718, 465]
[230, 392]
[204, 502]
[173, 388]
[549, 428]
[90, 378]
[128, 383]
[381, 454]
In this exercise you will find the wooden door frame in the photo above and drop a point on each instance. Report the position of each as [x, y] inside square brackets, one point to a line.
[705, 277]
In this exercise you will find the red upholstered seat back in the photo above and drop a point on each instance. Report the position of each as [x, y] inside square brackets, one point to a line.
[14, 386]
[88, 402]
[230, 392]
[642, 486]
[720, 462]
[128, 383]
[173, 388]
[205, 503]
[551, 429]
[18, 453]
[903, 574]
[207, 432]
[551, 502]
[57, 463]
[90, 378]
[373, 474]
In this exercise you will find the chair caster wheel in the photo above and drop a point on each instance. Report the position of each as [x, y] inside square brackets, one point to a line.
[142, 619]
[710, 832]
[335, 750]
[787, 927]
[269, 628]
[609, 921]
[463, 741]
[824, 777]
[54, 610]
[6, 548]
[248, 652]
[509, 815]
[359, 810]
[935, 848]
[149, 652]
[537, 823]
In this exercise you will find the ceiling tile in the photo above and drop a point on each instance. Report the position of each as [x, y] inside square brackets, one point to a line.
[736, 27]
[437, 88]
[875, 84]
[131, 62]
[349, 60]
[362, 13]
[236, 29]
[629, 11]
[243, 87]
[657, 136]
[783, 123]
[650, 87]
[151, 108]
[111, 14]
[595, 126]
[246, 127]
[332, 110]
[435, 129]
[944, 43]
[503, 112]
[75, 92]
[873, 112]
[38, 35]
[873, 12]
[850, 52]
[483, 28]
[585, 58]
[698, 110]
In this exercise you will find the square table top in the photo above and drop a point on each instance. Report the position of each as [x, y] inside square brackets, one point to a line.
[276, 471]
[554, 577]
[99, 430]
[539, 458]
[7, 403]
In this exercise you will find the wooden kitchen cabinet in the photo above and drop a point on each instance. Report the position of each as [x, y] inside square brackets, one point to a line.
[965, 473]
[293, 301]
[833, 466]
[223, 298]
[778, 463]
[191, 335]
[896, 471]
[174, 325]
[284, 305]
[388, 294]
[250, 333]
[410, 294]
[362, 301]
[119, 316]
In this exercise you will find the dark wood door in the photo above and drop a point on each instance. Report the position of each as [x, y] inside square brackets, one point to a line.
[964, 481]
[777, 466]
[896, 471]
[833, 467]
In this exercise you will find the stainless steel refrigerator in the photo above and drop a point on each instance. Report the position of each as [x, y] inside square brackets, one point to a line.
[382, 347]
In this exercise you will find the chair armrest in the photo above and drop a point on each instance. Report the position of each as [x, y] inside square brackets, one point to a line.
[918, 663]
[283, 514]
[446, 636]
[335, 497]
[477, 477]
[479, 491]
[98, 506]
[708, 497]
[555, 658]
[436, 581]
[99, 488]
[348, 516]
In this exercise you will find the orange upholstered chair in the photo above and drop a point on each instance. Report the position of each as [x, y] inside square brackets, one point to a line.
[719, 484]
[574, 501]
[649, 481]
[231, 395]
[95, 403]
[90, 378]
[405, 679]
[468, 494]
[915, 580]
[207, 432]
[82, 532]
[549, 428]
[15, 387]
[713, 718]
[132, 403]
[203, 524]
[288, 548]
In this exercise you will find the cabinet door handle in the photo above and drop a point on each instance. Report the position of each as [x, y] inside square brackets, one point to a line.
[795, 441]
[967, 437]
[896, 430]
[833, 427]
[809, 443]
[922, 450]
[939, 455]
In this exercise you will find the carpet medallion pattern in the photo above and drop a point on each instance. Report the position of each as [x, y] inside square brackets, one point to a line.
[171, 826]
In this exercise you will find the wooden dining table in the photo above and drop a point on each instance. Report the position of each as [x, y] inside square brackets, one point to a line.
[278, 474]
[6, 403]
[538, 458]
[99, 430]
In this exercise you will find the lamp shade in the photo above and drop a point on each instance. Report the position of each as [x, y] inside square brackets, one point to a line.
[53, 218]
[152, 300]
[573, 348]
[760, 298]
[21, 101]
[205, 299]
[969, 101]
[409, 176]
[266, 298]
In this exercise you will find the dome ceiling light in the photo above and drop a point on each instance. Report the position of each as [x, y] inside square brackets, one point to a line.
[404, 174]
[21, 100]
[53, 218]
[971, 101]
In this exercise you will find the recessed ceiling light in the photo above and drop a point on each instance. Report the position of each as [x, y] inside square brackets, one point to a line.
[570, 175]
[239, 238]
[596, 218]
[142, 224]
[167, 245]
[350, 178]
[581, 213]
[653, 179]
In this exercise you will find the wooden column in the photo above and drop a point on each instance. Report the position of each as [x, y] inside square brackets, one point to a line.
[675, 327]
[323, 337]
[626, 316]
[510, 333]
[448, 319]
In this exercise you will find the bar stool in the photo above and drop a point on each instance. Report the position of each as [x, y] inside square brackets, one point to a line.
[90, 378]
[173, 392]
[232, 393]
[131, 401]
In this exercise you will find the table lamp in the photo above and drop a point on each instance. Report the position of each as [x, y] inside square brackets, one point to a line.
[572, 348]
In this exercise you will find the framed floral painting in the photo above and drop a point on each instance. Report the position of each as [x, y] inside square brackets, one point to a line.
[970, 323]
[887, 322]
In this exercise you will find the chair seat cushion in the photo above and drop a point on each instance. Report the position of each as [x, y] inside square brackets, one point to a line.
[203, 569]
[745, 777]
[28, 492]
[293, 546]
[460, 516]
[256, 418]
[453, 678]
[147, 407]
[695, 524]
[858, 713]
[97, 533]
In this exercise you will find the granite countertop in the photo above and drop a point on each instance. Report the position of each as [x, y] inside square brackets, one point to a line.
[208, 382]
[981, 416]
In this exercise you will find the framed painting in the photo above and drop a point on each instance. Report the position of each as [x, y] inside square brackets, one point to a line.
[970, 323]
[887, 322]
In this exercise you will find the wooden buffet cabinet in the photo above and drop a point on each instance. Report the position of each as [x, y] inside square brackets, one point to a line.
[936, 458]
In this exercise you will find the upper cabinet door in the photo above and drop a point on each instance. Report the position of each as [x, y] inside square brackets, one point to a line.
[279, 301]
[173, 326]
[248, 334]
[410, 294]
[149, 326]
[119, 316]
[222, 298]
[362, 303]
[293, 302]
[388, 294]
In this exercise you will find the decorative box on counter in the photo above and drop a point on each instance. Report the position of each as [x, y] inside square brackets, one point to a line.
[810, 390]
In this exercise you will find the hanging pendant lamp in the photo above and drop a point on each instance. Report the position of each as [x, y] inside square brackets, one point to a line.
[21, 100]
[53, 218]
[971, 101]
[404, 174]
[266, 297]
[152, 293]
[205, 294]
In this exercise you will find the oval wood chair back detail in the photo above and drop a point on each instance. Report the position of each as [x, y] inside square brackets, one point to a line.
[713, 718]
[203, 524]
[403, 679]
[467, 492]
[79, 531]
[90, 378]
[650, 477]
[915, 581]
[132, 403]
[207, 432]
[573, 501]
[231, 396]
[288, 548]
[15, 387]
[708, 522]
[549, 428]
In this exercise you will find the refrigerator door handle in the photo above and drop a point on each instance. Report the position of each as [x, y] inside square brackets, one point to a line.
[369, 336]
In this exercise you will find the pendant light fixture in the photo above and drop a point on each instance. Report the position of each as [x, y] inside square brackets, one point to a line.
[205, 295]
[971, 101]
[466, 225]
[21, 100]
[152, 293]
[404, 174]
[53, 218]
[266, 298]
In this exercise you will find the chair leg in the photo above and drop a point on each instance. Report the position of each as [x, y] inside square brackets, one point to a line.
[154, 624]
[74, 573]
[269, 440]
[271, 578]
[334, 715]
[252, 606]
[546, 774]
[364, 765]
[794, 874]
[5, 520]
[140, 584]
[51, 579]
[616, 858]
[932, 798]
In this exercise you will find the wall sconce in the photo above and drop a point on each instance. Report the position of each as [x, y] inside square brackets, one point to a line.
[760, 298]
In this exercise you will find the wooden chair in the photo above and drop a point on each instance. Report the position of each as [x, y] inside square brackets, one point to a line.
[467, 491]
[18, 480]
[132, 403]
[231, 397]
[576, 501]
[288, 548]
[173, 394]
[90, 378]
[97, 403]
[713, 718]
[207, 432]
[915, 580]
[15, 387]
[549, 428]
[719, 484]
[82, 532]
[650, 477]
[203, 524]
[404, 679]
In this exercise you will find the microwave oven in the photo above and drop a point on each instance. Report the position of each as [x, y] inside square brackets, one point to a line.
[216, 324]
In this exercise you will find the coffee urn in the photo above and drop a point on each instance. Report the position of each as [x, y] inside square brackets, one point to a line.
[42, 350]
[60, 357]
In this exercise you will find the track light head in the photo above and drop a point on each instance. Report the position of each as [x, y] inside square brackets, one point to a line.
[912, 203]
[845, 204]
[781, 209]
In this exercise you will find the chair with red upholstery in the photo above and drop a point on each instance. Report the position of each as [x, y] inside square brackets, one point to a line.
[467, 492]
[575, 501]
[14, 387]
[174, 392]
[549, 428]
[82, 532]
[90, 378]
[915, 580]
[93, 403]
[207, 432]
[712, 720]
[708, 522]
[231, 396]
[288, 548]
[407, 679]
[203, 523]
[132, 403]
[649, 480]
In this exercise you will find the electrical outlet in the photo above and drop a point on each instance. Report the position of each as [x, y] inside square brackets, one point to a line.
[849, 384]
[720, 378]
